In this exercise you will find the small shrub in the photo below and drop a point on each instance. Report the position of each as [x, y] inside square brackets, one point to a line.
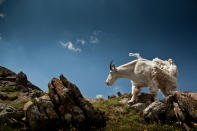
[18, 104]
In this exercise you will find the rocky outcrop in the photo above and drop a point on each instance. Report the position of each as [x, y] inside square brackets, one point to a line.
[11, 116]
[179, 107]
[12, 82]
[93, 116]
[64, 107]
[24, 85]
[15, 90]
[21, 79]
[6, 72]
[159, 111]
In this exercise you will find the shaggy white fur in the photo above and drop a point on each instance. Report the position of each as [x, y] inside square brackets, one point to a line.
[156, 75]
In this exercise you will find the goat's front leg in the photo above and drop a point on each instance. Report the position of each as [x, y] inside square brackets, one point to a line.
[135, 91]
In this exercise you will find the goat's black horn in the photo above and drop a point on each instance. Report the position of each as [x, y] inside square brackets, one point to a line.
[111, 65]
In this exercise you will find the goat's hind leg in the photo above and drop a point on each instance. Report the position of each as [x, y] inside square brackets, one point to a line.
[166, 91]
[153, 91]
[163, 92]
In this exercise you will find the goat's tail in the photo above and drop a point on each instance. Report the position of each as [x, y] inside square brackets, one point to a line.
[137, 55]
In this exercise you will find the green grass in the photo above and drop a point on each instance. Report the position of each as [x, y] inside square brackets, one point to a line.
[114, 102]
[122, 118]
[12, 97]
[8, 89]
[44, 93]
[18, 105]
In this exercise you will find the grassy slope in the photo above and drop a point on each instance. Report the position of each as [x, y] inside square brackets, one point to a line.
[18, 99]
[122, 118]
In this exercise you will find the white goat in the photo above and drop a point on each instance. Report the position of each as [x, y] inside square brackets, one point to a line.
[145, 73]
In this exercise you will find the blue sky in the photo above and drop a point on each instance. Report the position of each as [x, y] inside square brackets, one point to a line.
[44, 38]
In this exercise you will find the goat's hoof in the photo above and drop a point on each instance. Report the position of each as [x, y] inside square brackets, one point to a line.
[131, 102]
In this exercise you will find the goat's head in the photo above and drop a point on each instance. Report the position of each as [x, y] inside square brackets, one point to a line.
[113, 75]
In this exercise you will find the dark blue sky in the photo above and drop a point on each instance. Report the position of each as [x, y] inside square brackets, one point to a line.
[44, 38]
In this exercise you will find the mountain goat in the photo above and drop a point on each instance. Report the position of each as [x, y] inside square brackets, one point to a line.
[156, 75]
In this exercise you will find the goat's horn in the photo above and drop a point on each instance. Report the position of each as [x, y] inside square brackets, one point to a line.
[111, 65]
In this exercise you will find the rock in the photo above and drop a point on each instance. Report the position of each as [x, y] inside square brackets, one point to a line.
[179, 114]
[180, 106]
[93, 116]
[22, 88]
[192, 94]
[111, 97]
[11, 116]
[41, 115]
[144, 98]
[8, 78]
[10, 83]
[62, 107]
[142, 101]
[126, 95]
[27, 105]
[6, 72]
[21, 78]
[35, 93]
[158, 111]
[63, 99]
[188, 105]
[139, 106]
[24, 85]
[20, 81]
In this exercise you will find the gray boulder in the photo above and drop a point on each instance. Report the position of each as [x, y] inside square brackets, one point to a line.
[159, 111]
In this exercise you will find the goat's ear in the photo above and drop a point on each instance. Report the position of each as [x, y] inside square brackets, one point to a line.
[114, 67]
